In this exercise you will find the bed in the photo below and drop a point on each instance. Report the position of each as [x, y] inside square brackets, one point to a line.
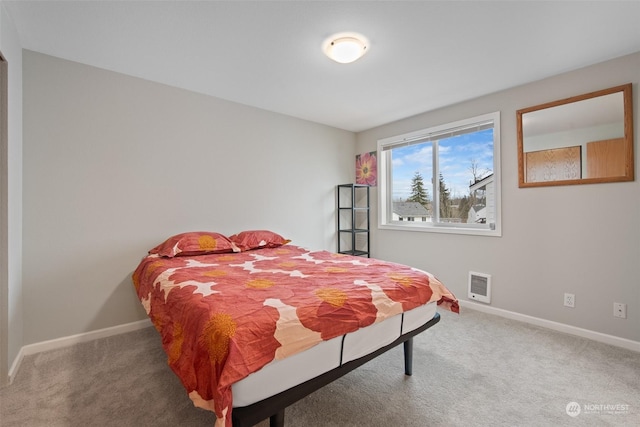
[252, 323]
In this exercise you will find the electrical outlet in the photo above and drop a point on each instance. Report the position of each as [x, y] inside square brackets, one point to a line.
[569, 300]
[620, 310]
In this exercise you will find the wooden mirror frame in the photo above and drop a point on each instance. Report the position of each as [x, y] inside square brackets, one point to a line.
[628, 174]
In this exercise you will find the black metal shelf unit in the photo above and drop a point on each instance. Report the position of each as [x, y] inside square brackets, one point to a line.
[353, 219]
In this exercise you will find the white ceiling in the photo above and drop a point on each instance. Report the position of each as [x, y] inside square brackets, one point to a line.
[423, 54]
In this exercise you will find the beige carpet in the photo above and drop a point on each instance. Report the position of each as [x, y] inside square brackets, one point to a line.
[469, 370]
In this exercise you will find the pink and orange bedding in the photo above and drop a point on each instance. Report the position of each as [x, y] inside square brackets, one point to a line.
[224, 315]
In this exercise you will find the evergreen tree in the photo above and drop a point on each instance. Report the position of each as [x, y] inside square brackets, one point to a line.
[445, 200]
[418, 192]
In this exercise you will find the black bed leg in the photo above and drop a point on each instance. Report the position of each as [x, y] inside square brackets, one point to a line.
[277, 419]
[408, 356]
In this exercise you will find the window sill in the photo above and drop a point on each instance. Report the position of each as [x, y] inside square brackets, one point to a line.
[430, 228]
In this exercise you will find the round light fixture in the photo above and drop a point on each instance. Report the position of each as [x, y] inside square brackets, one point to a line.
[345, 47]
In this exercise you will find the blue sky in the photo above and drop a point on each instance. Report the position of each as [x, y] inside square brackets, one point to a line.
[456, 156]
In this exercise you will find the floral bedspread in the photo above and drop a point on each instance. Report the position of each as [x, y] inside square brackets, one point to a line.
[223, 316]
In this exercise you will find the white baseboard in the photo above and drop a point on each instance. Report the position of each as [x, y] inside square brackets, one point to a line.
[141, 324]
[71, 340]
[556, 326]
[15, 366]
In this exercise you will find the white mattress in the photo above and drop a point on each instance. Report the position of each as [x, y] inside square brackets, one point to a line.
[281, 375]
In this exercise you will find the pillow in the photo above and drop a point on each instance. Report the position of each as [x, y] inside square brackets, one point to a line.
[254, 239]
[194, 243]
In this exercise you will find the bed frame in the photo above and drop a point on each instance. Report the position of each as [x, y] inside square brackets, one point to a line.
[273, 407]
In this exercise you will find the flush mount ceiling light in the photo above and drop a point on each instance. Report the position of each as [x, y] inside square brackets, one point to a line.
[345, 47]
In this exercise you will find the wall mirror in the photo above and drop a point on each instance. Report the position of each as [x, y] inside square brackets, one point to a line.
[579, 140]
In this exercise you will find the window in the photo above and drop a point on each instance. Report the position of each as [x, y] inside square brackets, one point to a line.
[442, 179]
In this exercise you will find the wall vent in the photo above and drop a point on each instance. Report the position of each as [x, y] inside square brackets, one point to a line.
[480, 287]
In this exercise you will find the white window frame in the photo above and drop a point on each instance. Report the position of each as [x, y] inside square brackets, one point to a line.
[385, 202]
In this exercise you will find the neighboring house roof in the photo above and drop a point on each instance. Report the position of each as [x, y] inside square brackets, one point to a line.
[407, 209]
[481, 182]
[478, 213]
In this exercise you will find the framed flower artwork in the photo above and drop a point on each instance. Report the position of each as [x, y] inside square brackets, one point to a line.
[367, 169]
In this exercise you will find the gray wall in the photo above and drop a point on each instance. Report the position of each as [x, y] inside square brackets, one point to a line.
[11, 317]
[581, 239]
[113, 165]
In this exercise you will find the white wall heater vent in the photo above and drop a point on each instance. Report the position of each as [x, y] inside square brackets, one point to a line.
[480, 287]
